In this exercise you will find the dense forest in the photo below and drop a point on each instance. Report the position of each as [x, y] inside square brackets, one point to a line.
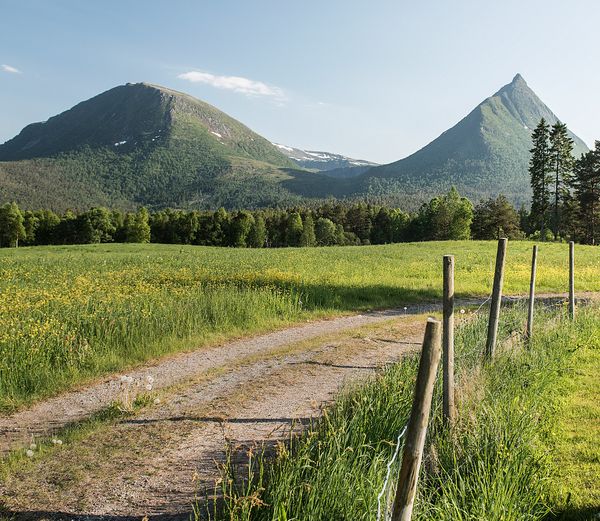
[443, 218]
[565, 206]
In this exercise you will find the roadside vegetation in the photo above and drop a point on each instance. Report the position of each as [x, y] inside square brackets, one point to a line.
[504, 460]
[68, 314]
[577, 427]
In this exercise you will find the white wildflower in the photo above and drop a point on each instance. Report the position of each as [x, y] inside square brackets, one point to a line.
[29, 453]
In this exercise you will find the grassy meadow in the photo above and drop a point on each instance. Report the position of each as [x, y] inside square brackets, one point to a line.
[68, 314]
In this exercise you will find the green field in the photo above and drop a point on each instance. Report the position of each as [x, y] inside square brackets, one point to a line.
[68, 314]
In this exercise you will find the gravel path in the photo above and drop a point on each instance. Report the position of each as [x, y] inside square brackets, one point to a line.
[154, 463]
[245, 391]
[46, 417]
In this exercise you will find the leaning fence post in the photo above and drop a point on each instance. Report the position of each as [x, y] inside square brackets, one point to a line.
[448, 340]
[532, 291]
[490, 347]
[417, 424]
[572, 280]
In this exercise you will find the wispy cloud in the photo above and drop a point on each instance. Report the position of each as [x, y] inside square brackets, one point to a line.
[235, 83]
[10, 68]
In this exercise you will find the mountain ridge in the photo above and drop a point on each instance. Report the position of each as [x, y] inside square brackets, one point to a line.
[143, 144]
[122, 125]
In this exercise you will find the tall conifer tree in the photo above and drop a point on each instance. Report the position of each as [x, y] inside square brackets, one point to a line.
[539, 172]
[587, 192]
[561, 162]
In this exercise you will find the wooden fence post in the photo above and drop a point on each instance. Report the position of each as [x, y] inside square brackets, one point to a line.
[417, 424]
[532, 291]
[572, 280]
[490, 347]
[448, 340]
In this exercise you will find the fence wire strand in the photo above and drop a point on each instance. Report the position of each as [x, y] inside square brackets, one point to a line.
[388, 475]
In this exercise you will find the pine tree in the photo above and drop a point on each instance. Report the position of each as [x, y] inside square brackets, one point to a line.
[382, 231]
[48, 223]
[496, 218]
[561, 165]
[358, 221]
[539, 172]
[587, 192]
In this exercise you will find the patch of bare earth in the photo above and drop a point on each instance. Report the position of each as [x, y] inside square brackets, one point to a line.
[154, 463]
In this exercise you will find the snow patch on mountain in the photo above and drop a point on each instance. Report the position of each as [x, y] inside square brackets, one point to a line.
[319, 160]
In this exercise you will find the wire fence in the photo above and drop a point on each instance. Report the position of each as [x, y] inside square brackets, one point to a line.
[389, 488]
[386, 495]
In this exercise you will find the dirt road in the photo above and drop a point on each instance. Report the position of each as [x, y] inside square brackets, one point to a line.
[154, 463]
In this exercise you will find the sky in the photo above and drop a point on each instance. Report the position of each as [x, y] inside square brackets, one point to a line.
[373, 80]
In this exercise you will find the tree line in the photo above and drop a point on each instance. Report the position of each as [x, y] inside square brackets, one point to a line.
[566, 191]
[447, 217]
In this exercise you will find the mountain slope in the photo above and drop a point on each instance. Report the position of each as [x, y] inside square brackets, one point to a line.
[324, 161]
[486, 153]
[136, 114]
[143, 144]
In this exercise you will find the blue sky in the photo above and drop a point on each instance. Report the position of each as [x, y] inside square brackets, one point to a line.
[374, 80]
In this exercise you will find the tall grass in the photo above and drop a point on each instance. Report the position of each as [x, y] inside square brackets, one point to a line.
[494, 465]
[68, 314]
[102, 336]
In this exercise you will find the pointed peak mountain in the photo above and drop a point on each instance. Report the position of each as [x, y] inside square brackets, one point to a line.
[518, 80]
[518, 84]
[486, 153]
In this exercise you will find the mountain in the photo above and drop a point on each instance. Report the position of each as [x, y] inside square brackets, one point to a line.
[144, 144]
[485, 154]
[325, 162]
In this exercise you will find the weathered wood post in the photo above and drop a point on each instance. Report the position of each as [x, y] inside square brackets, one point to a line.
[490, 347]
[417, 424]
[448, 339]
[572, 280]
[532, 291]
